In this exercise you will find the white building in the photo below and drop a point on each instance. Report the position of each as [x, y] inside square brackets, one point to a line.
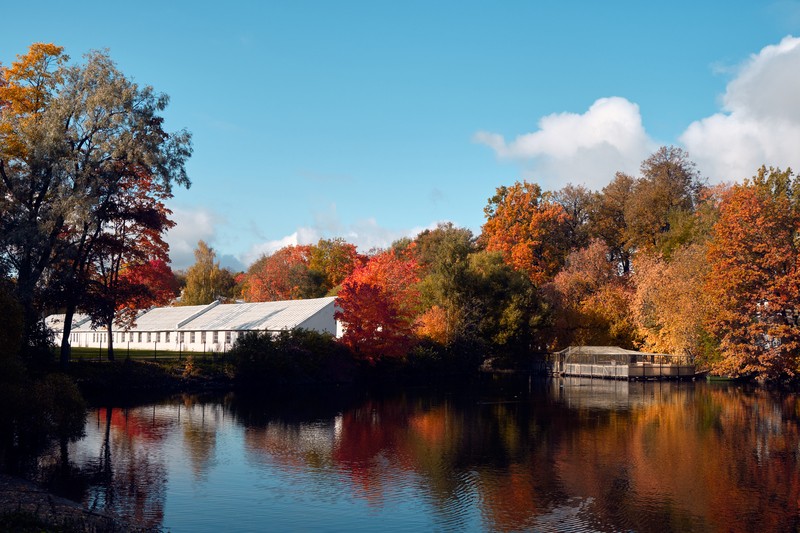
[203, 328]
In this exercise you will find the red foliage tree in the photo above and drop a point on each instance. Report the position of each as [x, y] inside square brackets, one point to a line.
[151, 283]
[131, 239]
[378, 303]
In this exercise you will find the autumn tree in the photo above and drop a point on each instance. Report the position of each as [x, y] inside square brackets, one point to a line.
[377, 304]
[205, 280]
[128, 266]
[69, 136]
[155, 285]
[670, 303]
[607, 219]
[669, 187]
[29, 225]
[754, 278]
[578, 203]
[529, 228]
[284, 275]
[442, 254]
[333, 260]
[589, 301]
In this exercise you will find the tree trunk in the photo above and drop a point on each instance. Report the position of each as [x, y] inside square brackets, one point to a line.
[66, 349]
[109, 328]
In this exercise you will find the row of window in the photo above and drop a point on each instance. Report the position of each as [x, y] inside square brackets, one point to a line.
[158, 336]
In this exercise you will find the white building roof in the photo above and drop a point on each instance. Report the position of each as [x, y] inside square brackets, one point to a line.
[56, 322]
[270, 316]
[169, 318]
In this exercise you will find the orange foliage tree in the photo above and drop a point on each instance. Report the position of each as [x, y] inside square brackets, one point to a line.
[284, 275]
[670, 303]
[377, 304]
[754, 279]
[529, 228]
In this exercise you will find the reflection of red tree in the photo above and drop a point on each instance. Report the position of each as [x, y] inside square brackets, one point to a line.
[367, 435]
[138, 423]
[673, 464]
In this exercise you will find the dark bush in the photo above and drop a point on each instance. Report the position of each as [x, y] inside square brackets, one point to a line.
[260, 359]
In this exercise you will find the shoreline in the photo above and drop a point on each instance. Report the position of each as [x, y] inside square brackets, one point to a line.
[26, 506]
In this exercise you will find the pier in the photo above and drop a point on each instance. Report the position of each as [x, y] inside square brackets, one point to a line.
[612, 362]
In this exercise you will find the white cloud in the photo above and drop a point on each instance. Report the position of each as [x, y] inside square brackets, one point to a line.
[760, 118]
[301, 236]
[366, 234]
[190, 226]
[583, 148]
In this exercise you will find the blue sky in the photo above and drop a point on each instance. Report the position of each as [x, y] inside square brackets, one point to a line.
[373, 120]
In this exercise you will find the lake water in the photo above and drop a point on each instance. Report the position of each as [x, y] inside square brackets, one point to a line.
[549, 455]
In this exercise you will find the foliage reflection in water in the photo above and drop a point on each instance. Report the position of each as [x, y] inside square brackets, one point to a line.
[553, 455]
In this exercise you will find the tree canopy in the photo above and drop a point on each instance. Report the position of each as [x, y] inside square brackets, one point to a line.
[74, 138]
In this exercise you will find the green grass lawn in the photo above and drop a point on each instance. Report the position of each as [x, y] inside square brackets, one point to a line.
[122, 352]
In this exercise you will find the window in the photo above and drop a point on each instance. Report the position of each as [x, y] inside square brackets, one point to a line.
[180, 337]
[166, 336]
[215, 337]
[203, 337]
[227, 337]
[158, 336]
[191, 337]
[140, 336]
[148, 336]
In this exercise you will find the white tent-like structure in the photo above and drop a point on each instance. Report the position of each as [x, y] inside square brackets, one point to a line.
[204, 328]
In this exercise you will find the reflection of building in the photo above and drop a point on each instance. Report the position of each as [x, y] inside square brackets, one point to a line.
[204, 328]
[579, 392]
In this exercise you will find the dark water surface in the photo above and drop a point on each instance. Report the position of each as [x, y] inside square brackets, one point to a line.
[555, 455]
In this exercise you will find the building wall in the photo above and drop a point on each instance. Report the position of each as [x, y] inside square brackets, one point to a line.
[322, 321]
[166, 340]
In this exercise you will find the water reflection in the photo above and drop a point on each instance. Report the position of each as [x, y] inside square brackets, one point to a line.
[550, 455]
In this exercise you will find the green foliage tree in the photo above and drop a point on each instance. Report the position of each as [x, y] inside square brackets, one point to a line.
[499, 305]
[668, 188]
[205, 280]
[607, 219]
[442, 254]
[333, 260]
[290, 358]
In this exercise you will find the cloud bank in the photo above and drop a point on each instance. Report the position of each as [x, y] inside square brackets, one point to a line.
[758, 124]
[583, 148]
[760, 118]
[366, 234]
[190, 226]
